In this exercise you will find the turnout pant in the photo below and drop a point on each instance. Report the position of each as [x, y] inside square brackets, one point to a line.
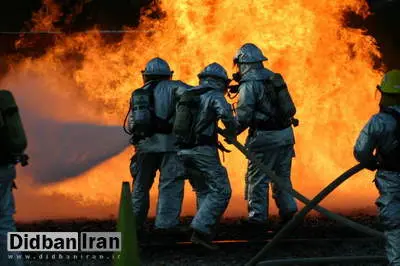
[388, 203]
[143, 168]
[7, 210]
[278, 160]
[211, 184]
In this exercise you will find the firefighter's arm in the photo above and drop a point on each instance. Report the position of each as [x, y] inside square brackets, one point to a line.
[131, 122]
[224, 112]
[181, 88]
[367, 142]
[245, 106]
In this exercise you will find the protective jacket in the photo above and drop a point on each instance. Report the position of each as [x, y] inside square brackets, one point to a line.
[380, 135]
[252, 108]
[213, 106]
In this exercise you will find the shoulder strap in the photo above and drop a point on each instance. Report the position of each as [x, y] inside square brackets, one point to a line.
[395, 115]
[392, 112]
[278, 81]
[200, 91]
[150, 88]
[266, 83]
[153, 85]
[187, 95]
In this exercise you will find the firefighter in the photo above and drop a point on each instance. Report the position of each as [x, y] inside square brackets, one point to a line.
[12, 145]
[378, 147]
[198, 113]
[150, 123]
[266, 109]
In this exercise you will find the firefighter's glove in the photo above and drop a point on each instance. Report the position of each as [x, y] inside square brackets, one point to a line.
[371, 165]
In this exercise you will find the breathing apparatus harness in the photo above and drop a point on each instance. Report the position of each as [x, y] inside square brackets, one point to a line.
[281, 103]
[187, 112]
[146, 122]
[13, 141]
[280, 99]
[390, 161]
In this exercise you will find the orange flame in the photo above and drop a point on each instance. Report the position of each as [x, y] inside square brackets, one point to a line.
[328, 68]
[43, 20]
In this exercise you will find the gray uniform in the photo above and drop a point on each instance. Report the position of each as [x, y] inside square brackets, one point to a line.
[211, 181]
[379, 134]
[7, 210]
[274, 148]
[159, 153]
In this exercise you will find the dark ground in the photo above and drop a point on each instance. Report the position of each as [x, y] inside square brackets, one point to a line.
[317, 237]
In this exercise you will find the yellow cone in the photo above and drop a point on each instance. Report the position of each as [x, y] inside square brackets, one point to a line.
[129, 255]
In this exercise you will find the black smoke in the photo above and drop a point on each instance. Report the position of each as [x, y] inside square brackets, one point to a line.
[383, 25]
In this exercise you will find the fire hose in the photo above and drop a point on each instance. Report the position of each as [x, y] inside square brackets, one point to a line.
[310, 204]
[319, 261]
[298, 218]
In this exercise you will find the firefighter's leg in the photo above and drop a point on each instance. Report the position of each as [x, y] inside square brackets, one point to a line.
[217, 191]
[7, 210]
[170, 195]
[388, 184]
[393, 246]
[147, 165]
[198, 182]
[258, 190]
[284, 200]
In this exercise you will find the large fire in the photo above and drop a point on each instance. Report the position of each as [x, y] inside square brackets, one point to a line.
[328, 68]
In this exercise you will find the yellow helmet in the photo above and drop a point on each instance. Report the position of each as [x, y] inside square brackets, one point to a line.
[391, 82]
